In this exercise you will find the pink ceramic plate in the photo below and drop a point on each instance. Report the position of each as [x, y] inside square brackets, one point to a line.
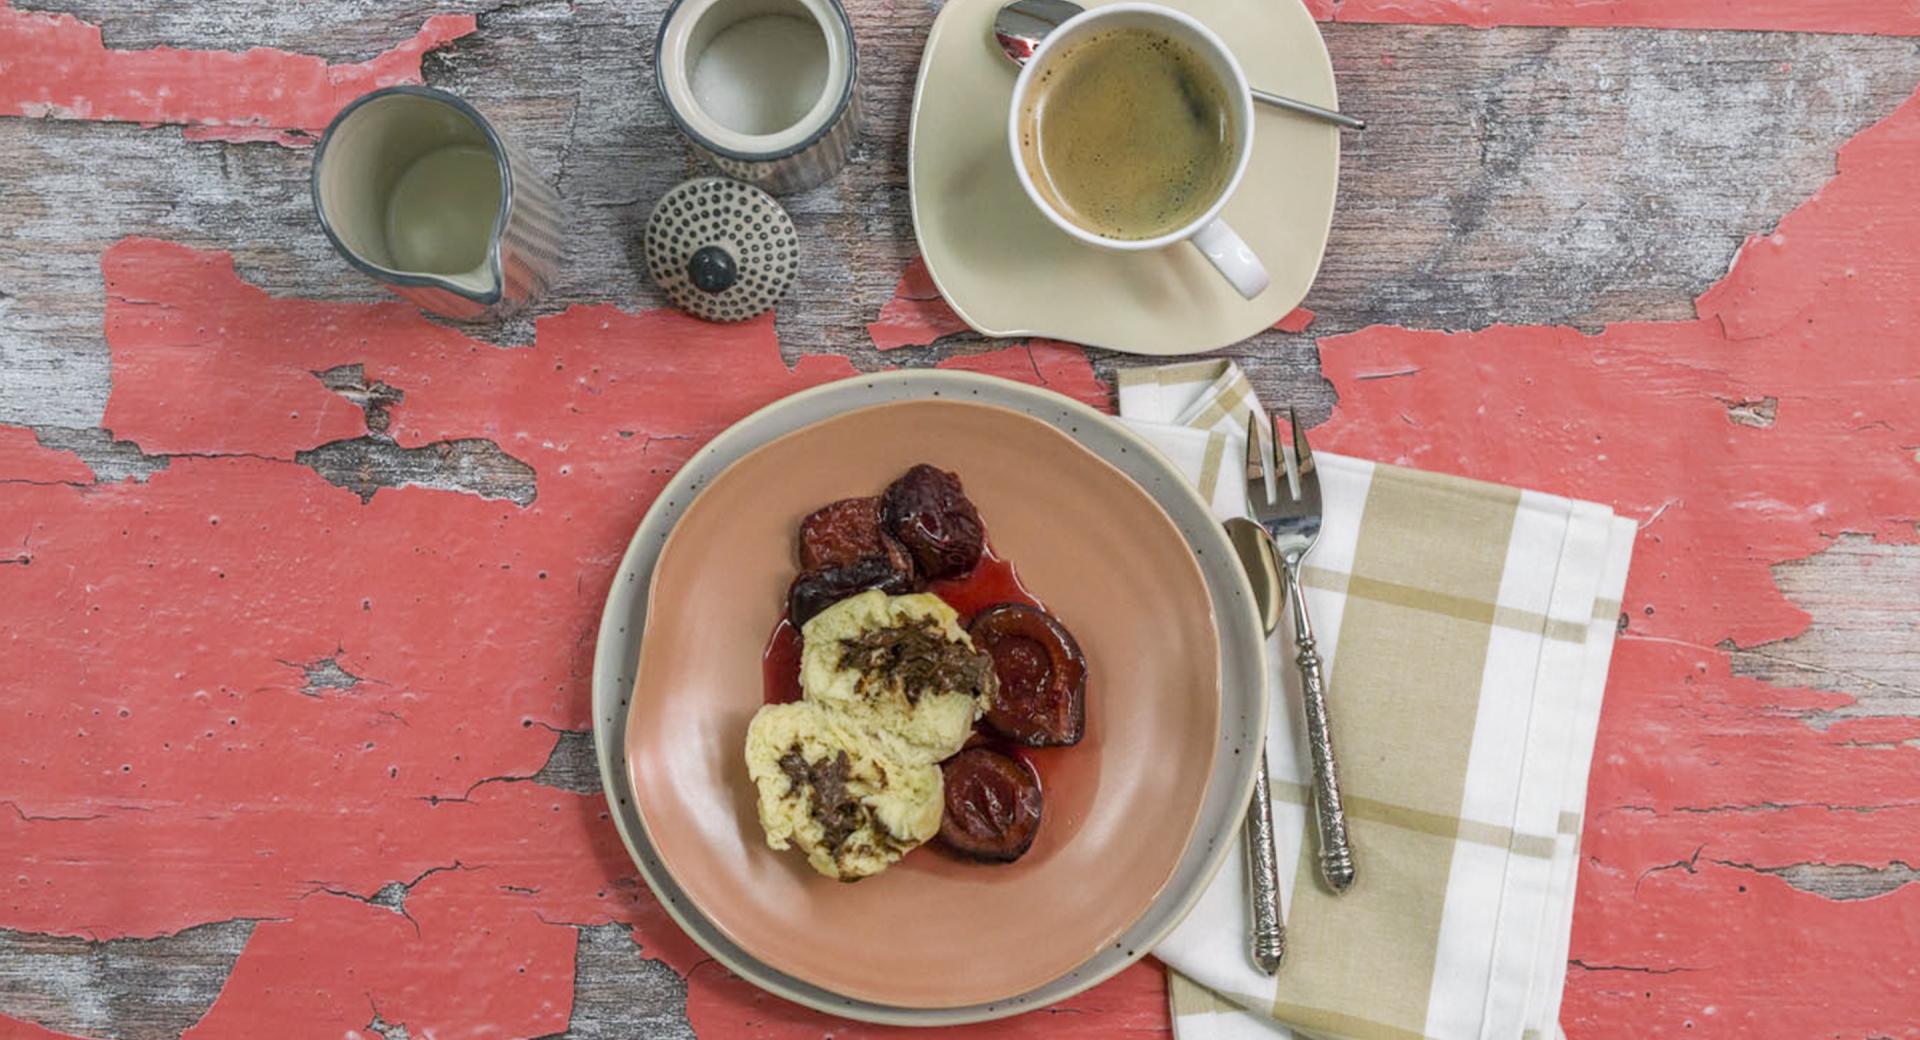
[934, 931]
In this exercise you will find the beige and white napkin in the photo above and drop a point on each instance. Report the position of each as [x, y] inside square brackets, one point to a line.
[1466, 629]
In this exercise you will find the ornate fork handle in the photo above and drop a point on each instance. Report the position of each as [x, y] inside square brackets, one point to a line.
[1330, 817]
[1269, 936]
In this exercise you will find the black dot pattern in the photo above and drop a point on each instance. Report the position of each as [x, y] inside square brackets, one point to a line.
[738, 218]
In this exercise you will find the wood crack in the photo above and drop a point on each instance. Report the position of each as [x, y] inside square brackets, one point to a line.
[570, 766]
[1638, 969]
[27, 817]
[1763, 806]
[391, 896]
[1690, 865]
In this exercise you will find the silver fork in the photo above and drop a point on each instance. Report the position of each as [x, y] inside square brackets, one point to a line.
[1291, 515]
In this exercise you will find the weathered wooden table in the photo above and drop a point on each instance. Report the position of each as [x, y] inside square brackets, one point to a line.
[298, 589]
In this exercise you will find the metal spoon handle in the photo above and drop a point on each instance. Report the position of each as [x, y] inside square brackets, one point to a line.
[1269, 936]
[1325, 115]
[1330, 817]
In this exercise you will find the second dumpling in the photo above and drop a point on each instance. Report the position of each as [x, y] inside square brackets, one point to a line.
[899, 668]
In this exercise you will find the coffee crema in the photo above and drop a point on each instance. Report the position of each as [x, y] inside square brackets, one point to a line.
[1128, 133]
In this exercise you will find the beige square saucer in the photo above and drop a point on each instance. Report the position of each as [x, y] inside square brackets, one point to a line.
[1008, 272]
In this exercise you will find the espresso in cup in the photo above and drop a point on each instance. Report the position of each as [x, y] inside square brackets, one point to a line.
[1129, 133]
[1129, 129]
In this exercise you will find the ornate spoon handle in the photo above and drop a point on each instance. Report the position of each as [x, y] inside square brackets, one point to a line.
[1330, 817]
[1263, 878]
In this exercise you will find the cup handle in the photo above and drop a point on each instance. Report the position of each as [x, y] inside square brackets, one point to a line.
[1231, 257]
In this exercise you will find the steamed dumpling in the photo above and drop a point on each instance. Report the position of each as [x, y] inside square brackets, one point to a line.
[852, 808]
[899, 669]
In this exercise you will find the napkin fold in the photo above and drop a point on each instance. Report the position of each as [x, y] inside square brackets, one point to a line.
[1466, 629]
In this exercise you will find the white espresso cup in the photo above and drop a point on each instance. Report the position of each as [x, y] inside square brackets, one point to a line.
[1207, 232]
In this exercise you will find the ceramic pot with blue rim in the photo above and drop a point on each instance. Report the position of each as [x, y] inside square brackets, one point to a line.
[767, 90]
[417, 189]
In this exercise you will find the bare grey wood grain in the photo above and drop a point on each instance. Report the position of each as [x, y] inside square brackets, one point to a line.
[1865, 637]
[1515, 175]
[126, 989]
[154, 989]
[620, 994]
[1847, 880]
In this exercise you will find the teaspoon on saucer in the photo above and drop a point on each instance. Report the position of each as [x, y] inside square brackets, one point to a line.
[1020, 25]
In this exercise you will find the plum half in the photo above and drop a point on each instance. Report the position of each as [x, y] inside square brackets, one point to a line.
[815, 591]
[844, 549]
[1042, 699]
[929, 512]
[843, 533]
[992, 805]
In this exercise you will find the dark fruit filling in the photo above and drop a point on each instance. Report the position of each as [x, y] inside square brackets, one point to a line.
[992, 805]
[815, 591]
[846, 532]
[1042, 699]
[929, 513]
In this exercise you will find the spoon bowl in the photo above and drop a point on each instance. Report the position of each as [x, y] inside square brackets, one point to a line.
[1020, 25]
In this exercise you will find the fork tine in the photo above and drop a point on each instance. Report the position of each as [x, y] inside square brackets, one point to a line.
[1256, 471]
[1283, 466]
[1300, 450]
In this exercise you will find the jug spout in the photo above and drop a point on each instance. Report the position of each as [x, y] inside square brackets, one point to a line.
[417, 189]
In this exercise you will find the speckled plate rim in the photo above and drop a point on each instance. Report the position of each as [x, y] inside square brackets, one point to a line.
[1243, 706]
[1285, 18]
[1122, 906]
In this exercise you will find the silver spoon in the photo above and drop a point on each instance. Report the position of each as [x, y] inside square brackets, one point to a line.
[1022, 24]
[1267, 935]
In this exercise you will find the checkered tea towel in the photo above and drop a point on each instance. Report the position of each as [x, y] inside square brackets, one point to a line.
[1466, 629]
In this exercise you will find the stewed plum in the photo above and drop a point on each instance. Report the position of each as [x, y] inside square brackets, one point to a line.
[929, 512]
[815, 591]
[846, 532]
[1042, 699]
[992, 805]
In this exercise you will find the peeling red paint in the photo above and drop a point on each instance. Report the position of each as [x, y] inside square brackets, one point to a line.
[57, 67]
[1703, 781]
[202, 366]
[24, 460]
[18, 1030]
[1295, 320]
[173, 622]
[917, 315]
[162, 729]
[1828, 331]
[414, 968]
[248, 135]
[1820, 16]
